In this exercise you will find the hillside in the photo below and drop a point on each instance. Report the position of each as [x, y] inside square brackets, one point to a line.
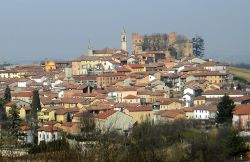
[240, 73]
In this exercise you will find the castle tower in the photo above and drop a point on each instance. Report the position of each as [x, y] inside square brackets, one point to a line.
[124, 40]
[90, 50]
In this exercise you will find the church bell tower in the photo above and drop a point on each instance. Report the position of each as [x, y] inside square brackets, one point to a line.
[124, 40]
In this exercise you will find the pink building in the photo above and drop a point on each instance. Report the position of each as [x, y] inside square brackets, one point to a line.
[241, 117]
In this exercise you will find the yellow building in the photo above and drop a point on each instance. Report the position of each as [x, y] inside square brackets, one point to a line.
[24, 112]
[200, 100]
[212, 77]
[170, 104]
[10, 74]
[136, 68]
[50, 66]
[140, 114]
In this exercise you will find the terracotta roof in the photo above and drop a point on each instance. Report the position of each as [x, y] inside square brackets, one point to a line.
[188, 109]
[209, 73]
[125, 105]
[99, 107]
[131, 97]
[134, 66]
[69, 124]
[11, 103]
[111, 75]
[223, 92]
[105, 114]
[205, 107]
[24, 128]
[200, 98]
[63, 111]
[141, 108]
[242, 110]
[22, 94]
[171, 113]
[167, 101]
[49, 129]
[122, 69]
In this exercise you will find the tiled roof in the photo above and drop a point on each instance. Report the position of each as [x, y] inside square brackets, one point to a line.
[63, 111]
[49, 129]
[223, 92]
[141, 108]
[122, 69]
[24, 128]
[242, 110]
[105, 114]
[131, 97]
[22, 94]
[69, 124]
[171, 113]
[134, 66]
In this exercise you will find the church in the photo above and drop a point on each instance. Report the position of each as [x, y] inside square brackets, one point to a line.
[108, 52]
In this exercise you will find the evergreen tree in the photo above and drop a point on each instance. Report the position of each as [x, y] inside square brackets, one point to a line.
[7, 94]
[36, 105]
[198, 46]
[68, 117]
[239, 87]
[225, 108]
[235, 144]
[3, 116]
[14, 122]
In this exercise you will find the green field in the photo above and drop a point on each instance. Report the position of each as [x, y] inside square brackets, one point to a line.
[240, 73]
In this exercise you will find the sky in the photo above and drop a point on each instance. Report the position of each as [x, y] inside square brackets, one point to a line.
[32, 30]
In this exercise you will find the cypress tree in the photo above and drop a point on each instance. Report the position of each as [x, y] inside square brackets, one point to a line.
[68, 117]
[7, 94]
[225, 109]
[14, 122]
[3, 115]
[36, 105]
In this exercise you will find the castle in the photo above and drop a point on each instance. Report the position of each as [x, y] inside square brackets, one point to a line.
[171, 44]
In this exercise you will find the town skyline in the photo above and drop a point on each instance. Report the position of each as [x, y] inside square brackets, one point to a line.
[69, 27]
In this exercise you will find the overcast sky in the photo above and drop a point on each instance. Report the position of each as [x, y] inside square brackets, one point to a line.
[60, 29]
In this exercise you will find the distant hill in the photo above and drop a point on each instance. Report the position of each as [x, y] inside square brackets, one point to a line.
[240, 73]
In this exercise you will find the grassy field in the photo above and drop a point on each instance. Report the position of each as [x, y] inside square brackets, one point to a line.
[240, 73]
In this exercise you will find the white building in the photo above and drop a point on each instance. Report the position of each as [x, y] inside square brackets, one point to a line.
[204, 112]
[48, 134]
[26, 135]
[221, 93]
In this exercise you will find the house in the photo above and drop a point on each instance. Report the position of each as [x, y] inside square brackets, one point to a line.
[221, 93]
[19, 104]
[169, 115]
[195, 91]
[204, 112]
[131, 99]
[22, 83]
[212, 76]
[140, 113]
[27, 135]
[25, 112]
[170, 104]
[214, 66]
[241, 117]
[72, 128]
[188, 99]
[49, 134]
[200, 100]
[113, 120]
[136, 68]
[23, 96]
[103, 80]
[61, 114]
[189, 112]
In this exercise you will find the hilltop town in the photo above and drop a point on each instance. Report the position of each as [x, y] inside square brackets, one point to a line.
[160, 81]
